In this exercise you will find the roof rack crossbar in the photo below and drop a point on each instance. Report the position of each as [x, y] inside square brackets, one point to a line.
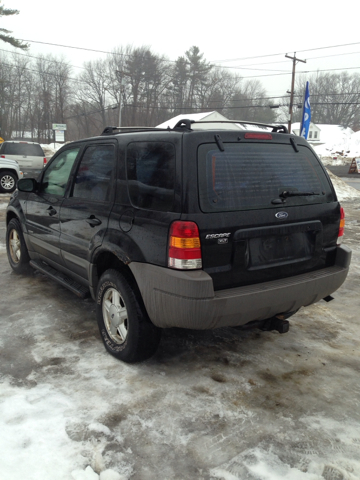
[184, 123]
[275, 128]
[115, 130]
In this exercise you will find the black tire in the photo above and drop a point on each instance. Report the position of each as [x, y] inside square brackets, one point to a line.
[124, 325]
[8, 181]
[16, 248]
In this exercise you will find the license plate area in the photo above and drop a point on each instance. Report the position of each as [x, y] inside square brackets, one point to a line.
[281, 245]
[270, 251]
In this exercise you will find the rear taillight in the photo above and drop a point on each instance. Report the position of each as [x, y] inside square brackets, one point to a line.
[341, 226]
[2, 156]
[45, 161]
[184, 246]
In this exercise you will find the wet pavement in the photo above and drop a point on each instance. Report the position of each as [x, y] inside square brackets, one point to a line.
[342, 171]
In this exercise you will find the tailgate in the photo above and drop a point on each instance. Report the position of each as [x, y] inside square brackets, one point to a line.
[251, 231]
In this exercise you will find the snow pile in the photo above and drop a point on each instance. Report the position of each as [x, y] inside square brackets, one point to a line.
[50, 149]
[355, 144]
[336, 141]
[343, 190]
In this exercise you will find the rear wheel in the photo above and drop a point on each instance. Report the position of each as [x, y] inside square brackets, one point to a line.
[16, 248]
[8, 181]
[125, 328]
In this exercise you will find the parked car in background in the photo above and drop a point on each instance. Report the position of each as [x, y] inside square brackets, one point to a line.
[10, 173]
[29, 155]
[180, 227]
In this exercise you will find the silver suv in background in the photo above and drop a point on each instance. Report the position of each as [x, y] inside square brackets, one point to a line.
[29, 155]
[10, 173]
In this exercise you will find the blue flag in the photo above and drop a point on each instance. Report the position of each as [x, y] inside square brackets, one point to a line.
[306, 116]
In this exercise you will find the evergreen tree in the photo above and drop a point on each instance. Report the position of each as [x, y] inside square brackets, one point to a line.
[4, 34]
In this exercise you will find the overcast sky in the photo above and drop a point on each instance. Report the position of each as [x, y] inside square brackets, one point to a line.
[226, 32]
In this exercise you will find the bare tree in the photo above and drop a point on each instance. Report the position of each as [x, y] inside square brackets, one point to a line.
[249, 103]
[334, 98]
[93, 87]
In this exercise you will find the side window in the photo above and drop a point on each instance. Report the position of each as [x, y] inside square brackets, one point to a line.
[151, 175]
[57, 174]
[93, 178]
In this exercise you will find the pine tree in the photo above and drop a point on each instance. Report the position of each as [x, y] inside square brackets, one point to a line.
[4, 34]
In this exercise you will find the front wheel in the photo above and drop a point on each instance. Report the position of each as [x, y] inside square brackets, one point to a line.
[16, 248]
[7, 182]
[125, 328]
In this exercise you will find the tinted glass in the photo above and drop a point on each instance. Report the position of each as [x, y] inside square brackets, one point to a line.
[23, 149]
[151, 175]
[250, 176]
[57, 174]
[93, 178]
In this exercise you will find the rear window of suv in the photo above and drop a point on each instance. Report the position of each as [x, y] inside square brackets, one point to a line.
[22, 149]
[251, 175]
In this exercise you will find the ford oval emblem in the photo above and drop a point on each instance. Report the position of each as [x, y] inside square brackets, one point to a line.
[281, 215]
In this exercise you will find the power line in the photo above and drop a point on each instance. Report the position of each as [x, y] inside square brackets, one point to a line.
[282, 53]
[73, 47]
[303, 71]
[43, 73]
[87, 49]
[40, 58]
[284, 61]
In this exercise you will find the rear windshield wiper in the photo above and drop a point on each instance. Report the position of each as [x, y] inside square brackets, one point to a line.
[285, 194]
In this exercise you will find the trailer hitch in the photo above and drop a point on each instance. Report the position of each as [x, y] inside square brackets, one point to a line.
[276, 323]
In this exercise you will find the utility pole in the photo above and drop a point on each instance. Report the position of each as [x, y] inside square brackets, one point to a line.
[295, 60]
[122, 88]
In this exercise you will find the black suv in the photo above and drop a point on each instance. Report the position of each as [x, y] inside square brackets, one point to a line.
[199, 226]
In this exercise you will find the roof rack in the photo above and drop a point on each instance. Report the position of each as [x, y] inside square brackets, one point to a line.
[185, 124]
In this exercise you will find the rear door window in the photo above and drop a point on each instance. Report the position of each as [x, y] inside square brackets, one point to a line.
[251, 176]
[151, 175]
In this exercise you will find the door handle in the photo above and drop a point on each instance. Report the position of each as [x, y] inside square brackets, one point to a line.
[93, 221]
[51, 211]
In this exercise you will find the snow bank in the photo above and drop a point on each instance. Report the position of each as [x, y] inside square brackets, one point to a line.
[343, 190]
[50, 149]
[338, 144]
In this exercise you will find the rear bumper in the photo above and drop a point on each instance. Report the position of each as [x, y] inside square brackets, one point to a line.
[176, 298]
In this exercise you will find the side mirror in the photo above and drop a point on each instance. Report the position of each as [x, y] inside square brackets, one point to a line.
[27, 185]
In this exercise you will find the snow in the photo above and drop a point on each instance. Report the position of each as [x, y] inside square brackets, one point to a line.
[50, 149]
[343, 190]
[89, 474]
[337, 141]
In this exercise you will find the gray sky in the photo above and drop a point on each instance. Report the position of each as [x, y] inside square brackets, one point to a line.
[226, 32]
